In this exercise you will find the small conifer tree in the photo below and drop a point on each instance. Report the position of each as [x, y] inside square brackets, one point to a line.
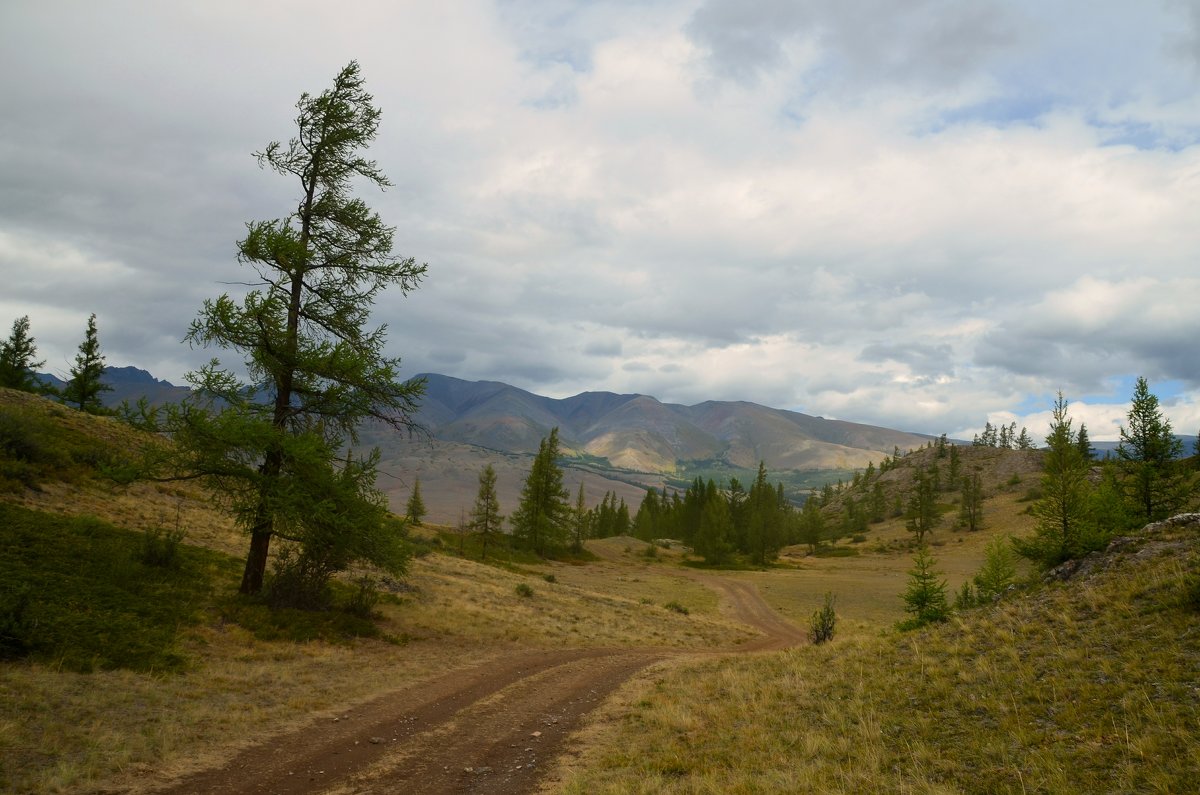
[84, 388]
[999, 569]
[925, 596]
[17, 361]
[823, 622]
[416, 506]
[485, 516]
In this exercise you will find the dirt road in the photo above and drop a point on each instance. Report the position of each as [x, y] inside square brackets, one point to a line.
[495, 728]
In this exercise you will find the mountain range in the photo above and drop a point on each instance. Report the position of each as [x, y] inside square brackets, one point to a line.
[610, 442]
[639, 433]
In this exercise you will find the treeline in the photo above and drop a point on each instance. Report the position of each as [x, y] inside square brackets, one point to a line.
[1005, 436]
[1082, 504]
[718, 523]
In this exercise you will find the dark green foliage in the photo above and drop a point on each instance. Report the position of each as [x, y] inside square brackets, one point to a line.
[581, 521]
[1062, 511]
[1155, 481]
[364, 597]
[316, 371]
[160, 547]
[415, 508]
[1191, 587]
[17, 362]
[287, 624]
[925, 595]
[765, 527]
[541, 521]
[142, 415]
[76, 593]
[812, 524]
[921, 515]
[675, 607]
[999, 570]
[610, 517]
[1084, 444]
[971, 505]
[823, 622]
[712, 540]
[299, 581]
[524, 590]
[33, 447]
[485, 515]
[17, 625]
[966, 598]
[955, 470]
[84, 387]
[878, 503]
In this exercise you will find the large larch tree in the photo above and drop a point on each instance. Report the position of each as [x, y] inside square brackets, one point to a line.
[275, 441]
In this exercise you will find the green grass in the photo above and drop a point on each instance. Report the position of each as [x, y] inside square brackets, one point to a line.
[501, 551]
[34, 446]
[797, 484]
[77, 594]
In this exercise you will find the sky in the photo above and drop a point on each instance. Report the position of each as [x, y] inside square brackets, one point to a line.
[921, 214]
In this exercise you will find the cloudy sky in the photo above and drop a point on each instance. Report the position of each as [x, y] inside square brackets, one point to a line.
[915, 213]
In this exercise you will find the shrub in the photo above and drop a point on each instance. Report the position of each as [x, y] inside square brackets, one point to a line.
[16, 624]
[300, 580]
[364, 597]
[966, 597]
[676, 607]
[549, 578]
[74, 594]
[820, 628]
[524, 589]
[160, 547]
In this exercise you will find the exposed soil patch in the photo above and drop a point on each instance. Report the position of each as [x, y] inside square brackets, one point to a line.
[494, 728]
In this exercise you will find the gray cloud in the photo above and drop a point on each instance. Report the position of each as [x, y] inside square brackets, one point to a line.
[592, 221]
[866, 41]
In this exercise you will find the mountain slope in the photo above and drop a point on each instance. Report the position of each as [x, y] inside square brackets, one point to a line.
[641, 433]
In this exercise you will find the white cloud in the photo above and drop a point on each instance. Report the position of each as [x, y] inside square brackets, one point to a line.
[913, 214]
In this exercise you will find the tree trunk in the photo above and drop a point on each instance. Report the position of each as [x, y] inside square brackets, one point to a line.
[256, 561]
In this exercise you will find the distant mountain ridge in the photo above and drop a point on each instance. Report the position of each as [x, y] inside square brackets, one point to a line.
[131, 384]
[612, 442]
[639, 432]
[628, 431]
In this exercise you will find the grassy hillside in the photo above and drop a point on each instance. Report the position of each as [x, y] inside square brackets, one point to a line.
[114, 669]
[1086, 686]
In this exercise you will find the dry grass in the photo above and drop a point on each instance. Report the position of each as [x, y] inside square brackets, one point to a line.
[1087, 687]
[587, 605]
[67, 732]
[868, 586]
